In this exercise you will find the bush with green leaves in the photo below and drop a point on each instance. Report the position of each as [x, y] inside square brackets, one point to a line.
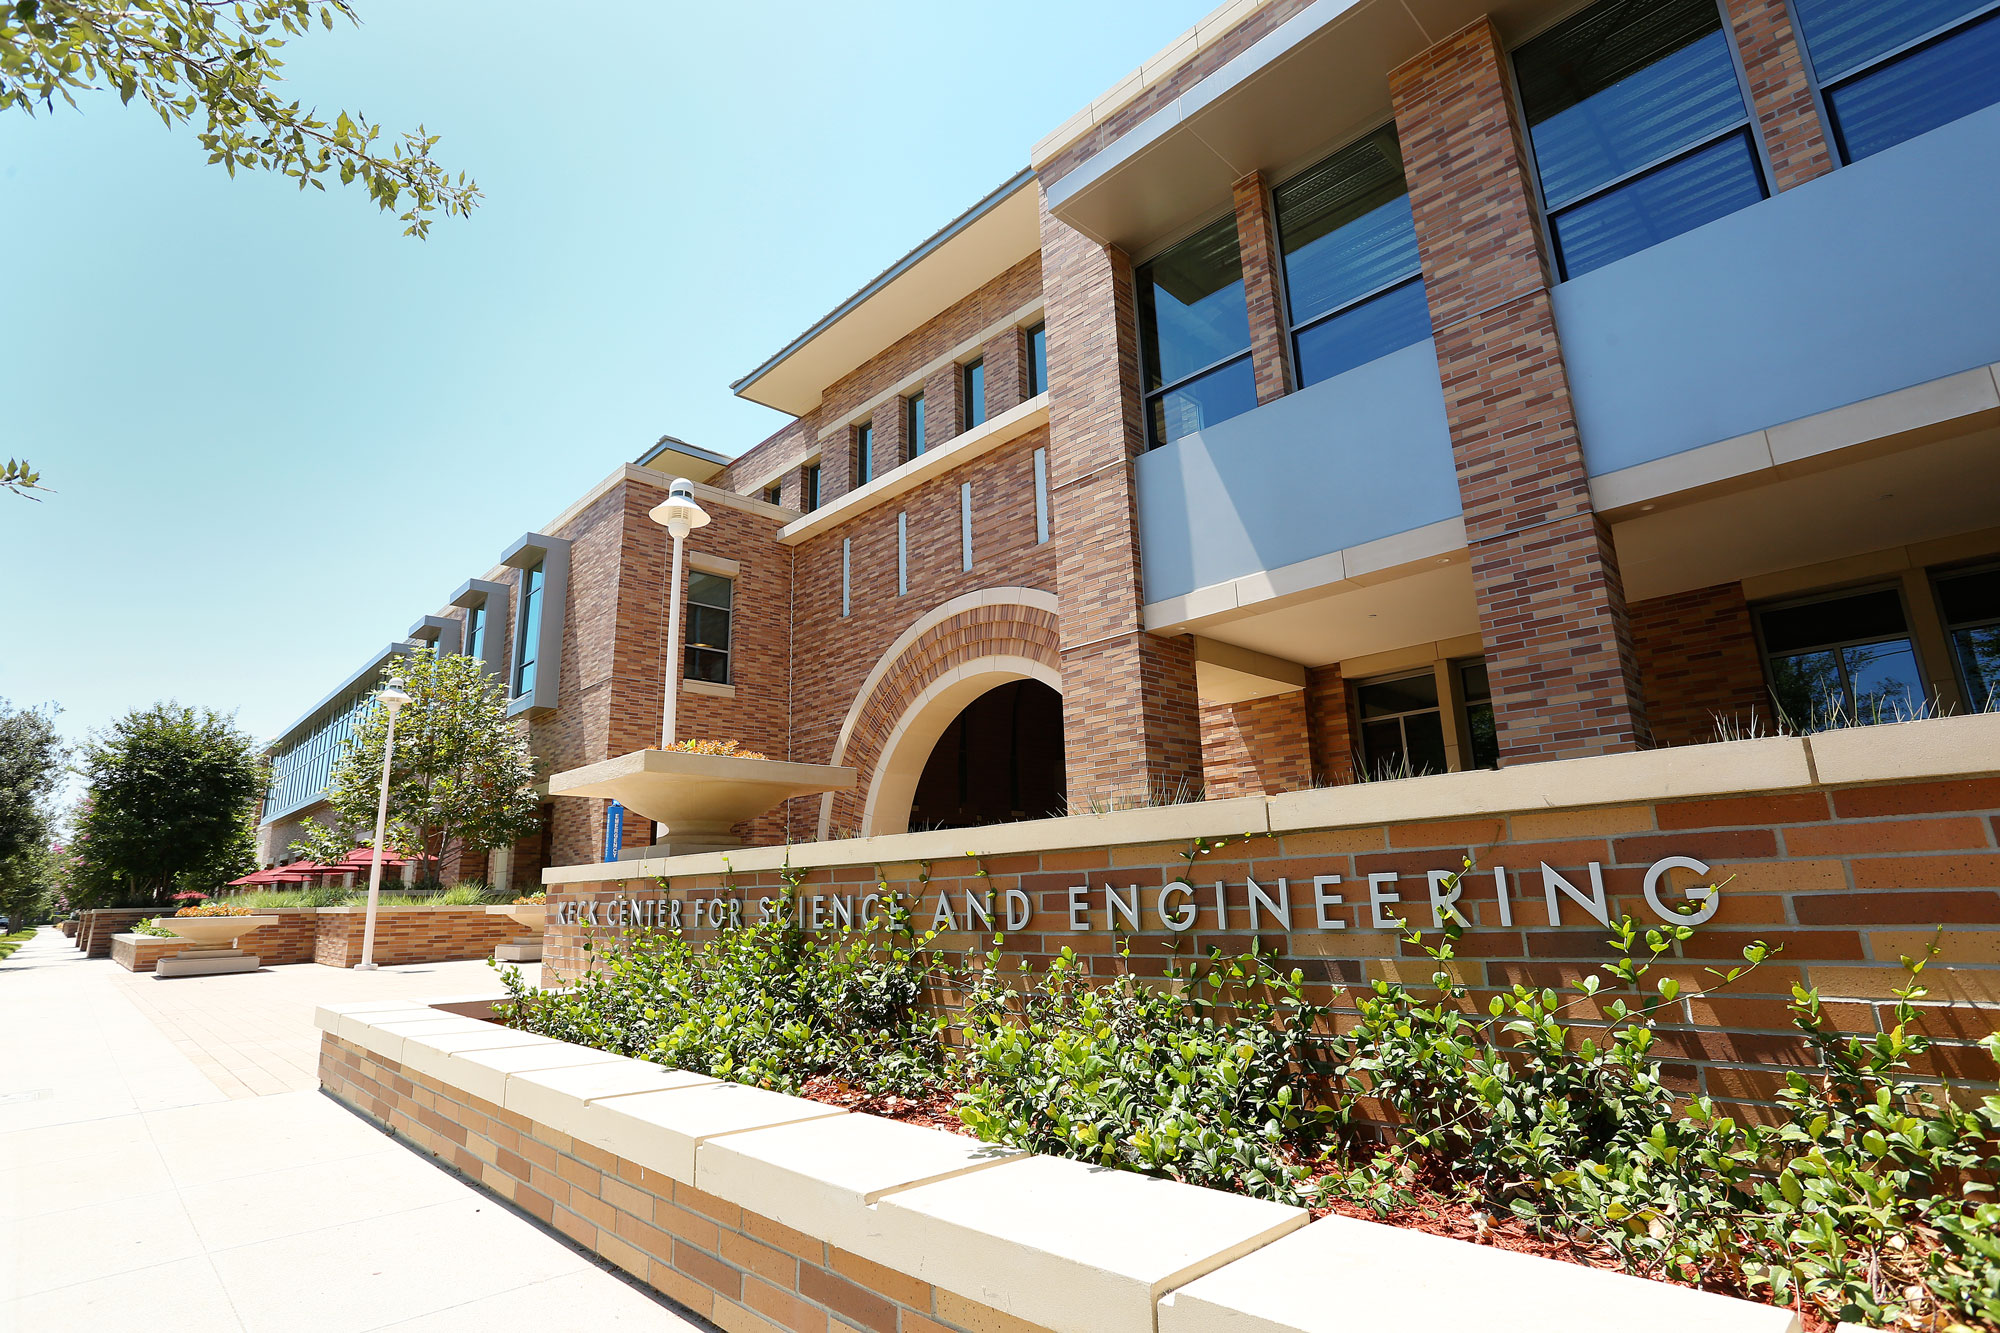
[1199, 1075]
[769, 1004]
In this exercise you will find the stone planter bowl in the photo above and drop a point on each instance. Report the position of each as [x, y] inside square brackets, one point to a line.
[212, 932]
[532, 916]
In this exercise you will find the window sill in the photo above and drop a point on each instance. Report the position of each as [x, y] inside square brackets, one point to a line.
[963, 448]
[708, 688]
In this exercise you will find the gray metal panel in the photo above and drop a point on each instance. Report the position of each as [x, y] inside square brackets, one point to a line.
[441, 631]
[494, 597]
[1363, 455]
[553, 554]
[1873, 278]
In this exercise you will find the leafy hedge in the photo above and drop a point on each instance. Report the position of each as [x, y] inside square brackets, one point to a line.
[1870, 1198]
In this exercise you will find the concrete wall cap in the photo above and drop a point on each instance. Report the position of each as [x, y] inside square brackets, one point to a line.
[557, 1097]
[386, 1039]
[1899, 751]
[1071, 1247]
[432, 1054]
[820, 1176]
[661, 1130]
[484, 1072]
[1389, 1277]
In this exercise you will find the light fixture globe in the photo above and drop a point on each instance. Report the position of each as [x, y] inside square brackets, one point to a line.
[679, 514]
[392, 695]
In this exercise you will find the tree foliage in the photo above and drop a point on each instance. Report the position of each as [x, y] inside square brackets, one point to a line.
[31, 757]
[171, 804]
[462, 776]
[219, 62]
[19, 476]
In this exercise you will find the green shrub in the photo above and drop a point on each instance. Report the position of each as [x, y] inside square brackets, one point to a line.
[146, 927]
[1199, 1076]
[768, 1004]
[469, 893]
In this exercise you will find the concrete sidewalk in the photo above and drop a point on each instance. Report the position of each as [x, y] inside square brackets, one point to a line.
[166, 1163]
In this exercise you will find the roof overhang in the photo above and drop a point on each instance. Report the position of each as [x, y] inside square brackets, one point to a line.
[1314, 82]
[974, 248]
[678, 458]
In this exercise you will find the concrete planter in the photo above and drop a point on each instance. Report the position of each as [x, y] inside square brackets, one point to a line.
[142, 953]
[748, 1205]
[698, 797]
[209, 945]
[525, 948]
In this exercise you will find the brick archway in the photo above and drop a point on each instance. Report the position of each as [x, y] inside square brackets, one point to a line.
[947, 658]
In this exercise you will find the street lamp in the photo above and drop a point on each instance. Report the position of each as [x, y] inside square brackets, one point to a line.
[393, 699]
[679, 515]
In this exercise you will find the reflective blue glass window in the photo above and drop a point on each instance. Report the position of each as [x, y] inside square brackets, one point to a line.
[527, 641]
[1350, 259]
[1617, 98]
[1194, 334]
[475, 631]
[973, 377]
[864, 454]
[1892, 69]
[913, 425]
[1038, 359]
[1845, 660]
[1970, 603]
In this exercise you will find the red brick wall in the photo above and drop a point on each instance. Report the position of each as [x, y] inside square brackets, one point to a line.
[1698, 662]
[735, 1267]
[410, 934]
[1844, 879]
[1551, 605]
[1332, 730]
[1259, 747]
[1780, 91]
[1257, 239]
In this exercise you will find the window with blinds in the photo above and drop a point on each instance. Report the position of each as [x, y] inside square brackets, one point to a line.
[1890, 70]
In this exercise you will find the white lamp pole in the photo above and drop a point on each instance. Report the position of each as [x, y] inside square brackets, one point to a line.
[680, 515]
[393, 699]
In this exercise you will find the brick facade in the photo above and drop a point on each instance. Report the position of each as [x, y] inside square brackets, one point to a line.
[1698, 662]
[410, 934]
[1332, 730]
[1844, 879]
[1257, 241]
[1780, 91]
[1551, 605]
[1258, 747]
[745, 1272]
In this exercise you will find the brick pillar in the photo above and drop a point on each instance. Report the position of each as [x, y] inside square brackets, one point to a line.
[890, 427]
[941, 408]
[1780, 92]
[1551, 605]
[1131, 720]
[1006, 373]
[1327, 724]
[1257, 239]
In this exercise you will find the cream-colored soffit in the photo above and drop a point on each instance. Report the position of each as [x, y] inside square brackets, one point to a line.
[978, 246]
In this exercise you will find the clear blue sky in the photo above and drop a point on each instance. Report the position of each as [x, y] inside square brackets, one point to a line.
[279, 430]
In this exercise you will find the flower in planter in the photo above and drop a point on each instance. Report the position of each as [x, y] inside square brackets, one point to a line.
[722, 749]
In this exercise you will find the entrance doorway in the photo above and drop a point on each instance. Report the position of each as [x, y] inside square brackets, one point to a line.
[999, 760]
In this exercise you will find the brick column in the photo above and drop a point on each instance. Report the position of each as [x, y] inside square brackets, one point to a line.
[890, 426]
[1780, 92]
[1131, 720]
[1006, 373]
[1257, 239]
[941, 407]
[1551, 605]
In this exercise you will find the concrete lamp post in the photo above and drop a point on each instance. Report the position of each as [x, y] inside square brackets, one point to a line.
[393, 699]
[679, 515]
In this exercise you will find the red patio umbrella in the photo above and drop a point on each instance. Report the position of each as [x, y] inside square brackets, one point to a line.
[363, 857]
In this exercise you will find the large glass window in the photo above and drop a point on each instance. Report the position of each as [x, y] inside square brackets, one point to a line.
[1194, 333]
[1892, 69]
[913, 425]
[972, 381]
[864, 454]
[475, 631]
[1477, 693]
[1038, 359]
[1842, 660]
[1969, 601]
[528, 630]
[1639, 126]
[809, 487]
[1350, 256]
[1402, 726]
[709, 597]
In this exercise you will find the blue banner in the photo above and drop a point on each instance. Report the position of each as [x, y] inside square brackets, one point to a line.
[614, 830]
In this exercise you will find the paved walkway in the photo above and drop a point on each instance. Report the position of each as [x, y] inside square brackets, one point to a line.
[166, 1163]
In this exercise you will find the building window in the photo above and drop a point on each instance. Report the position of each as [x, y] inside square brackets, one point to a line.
[709, 598]
[1038, 359]
[1194, 335]
[774, 494]
[1350, 257]
[528, 630]
[1402, 726]
[864, 453]
[913, 425]
[1893, 69]
[1846, 660]
[972, 390]
[1639, 126]
[1969, 602]
[809, 487]
[1476, 697]
[475, 631]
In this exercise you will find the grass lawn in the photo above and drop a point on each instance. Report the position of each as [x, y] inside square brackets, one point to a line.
[9, 943]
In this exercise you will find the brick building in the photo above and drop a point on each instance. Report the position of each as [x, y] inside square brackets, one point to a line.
[1360, 388]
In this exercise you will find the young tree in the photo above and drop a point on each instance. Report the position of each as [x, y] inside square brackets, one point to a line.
[31, 756]
[462, 775]
[171, 791]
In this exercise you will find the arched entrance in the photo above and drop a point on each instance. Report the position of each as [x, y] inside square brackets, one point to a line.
[999, 760]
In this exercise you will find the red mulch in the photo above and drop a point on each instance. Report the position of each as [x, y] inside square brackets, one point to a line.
[936, 1111]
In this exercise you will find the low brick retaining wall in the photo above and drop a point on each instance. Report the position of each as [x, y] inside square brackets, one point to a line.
[1845, 849]
[139, 953]
[99, 924]
[409, 934]
[759, 1210]
[67, 927]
